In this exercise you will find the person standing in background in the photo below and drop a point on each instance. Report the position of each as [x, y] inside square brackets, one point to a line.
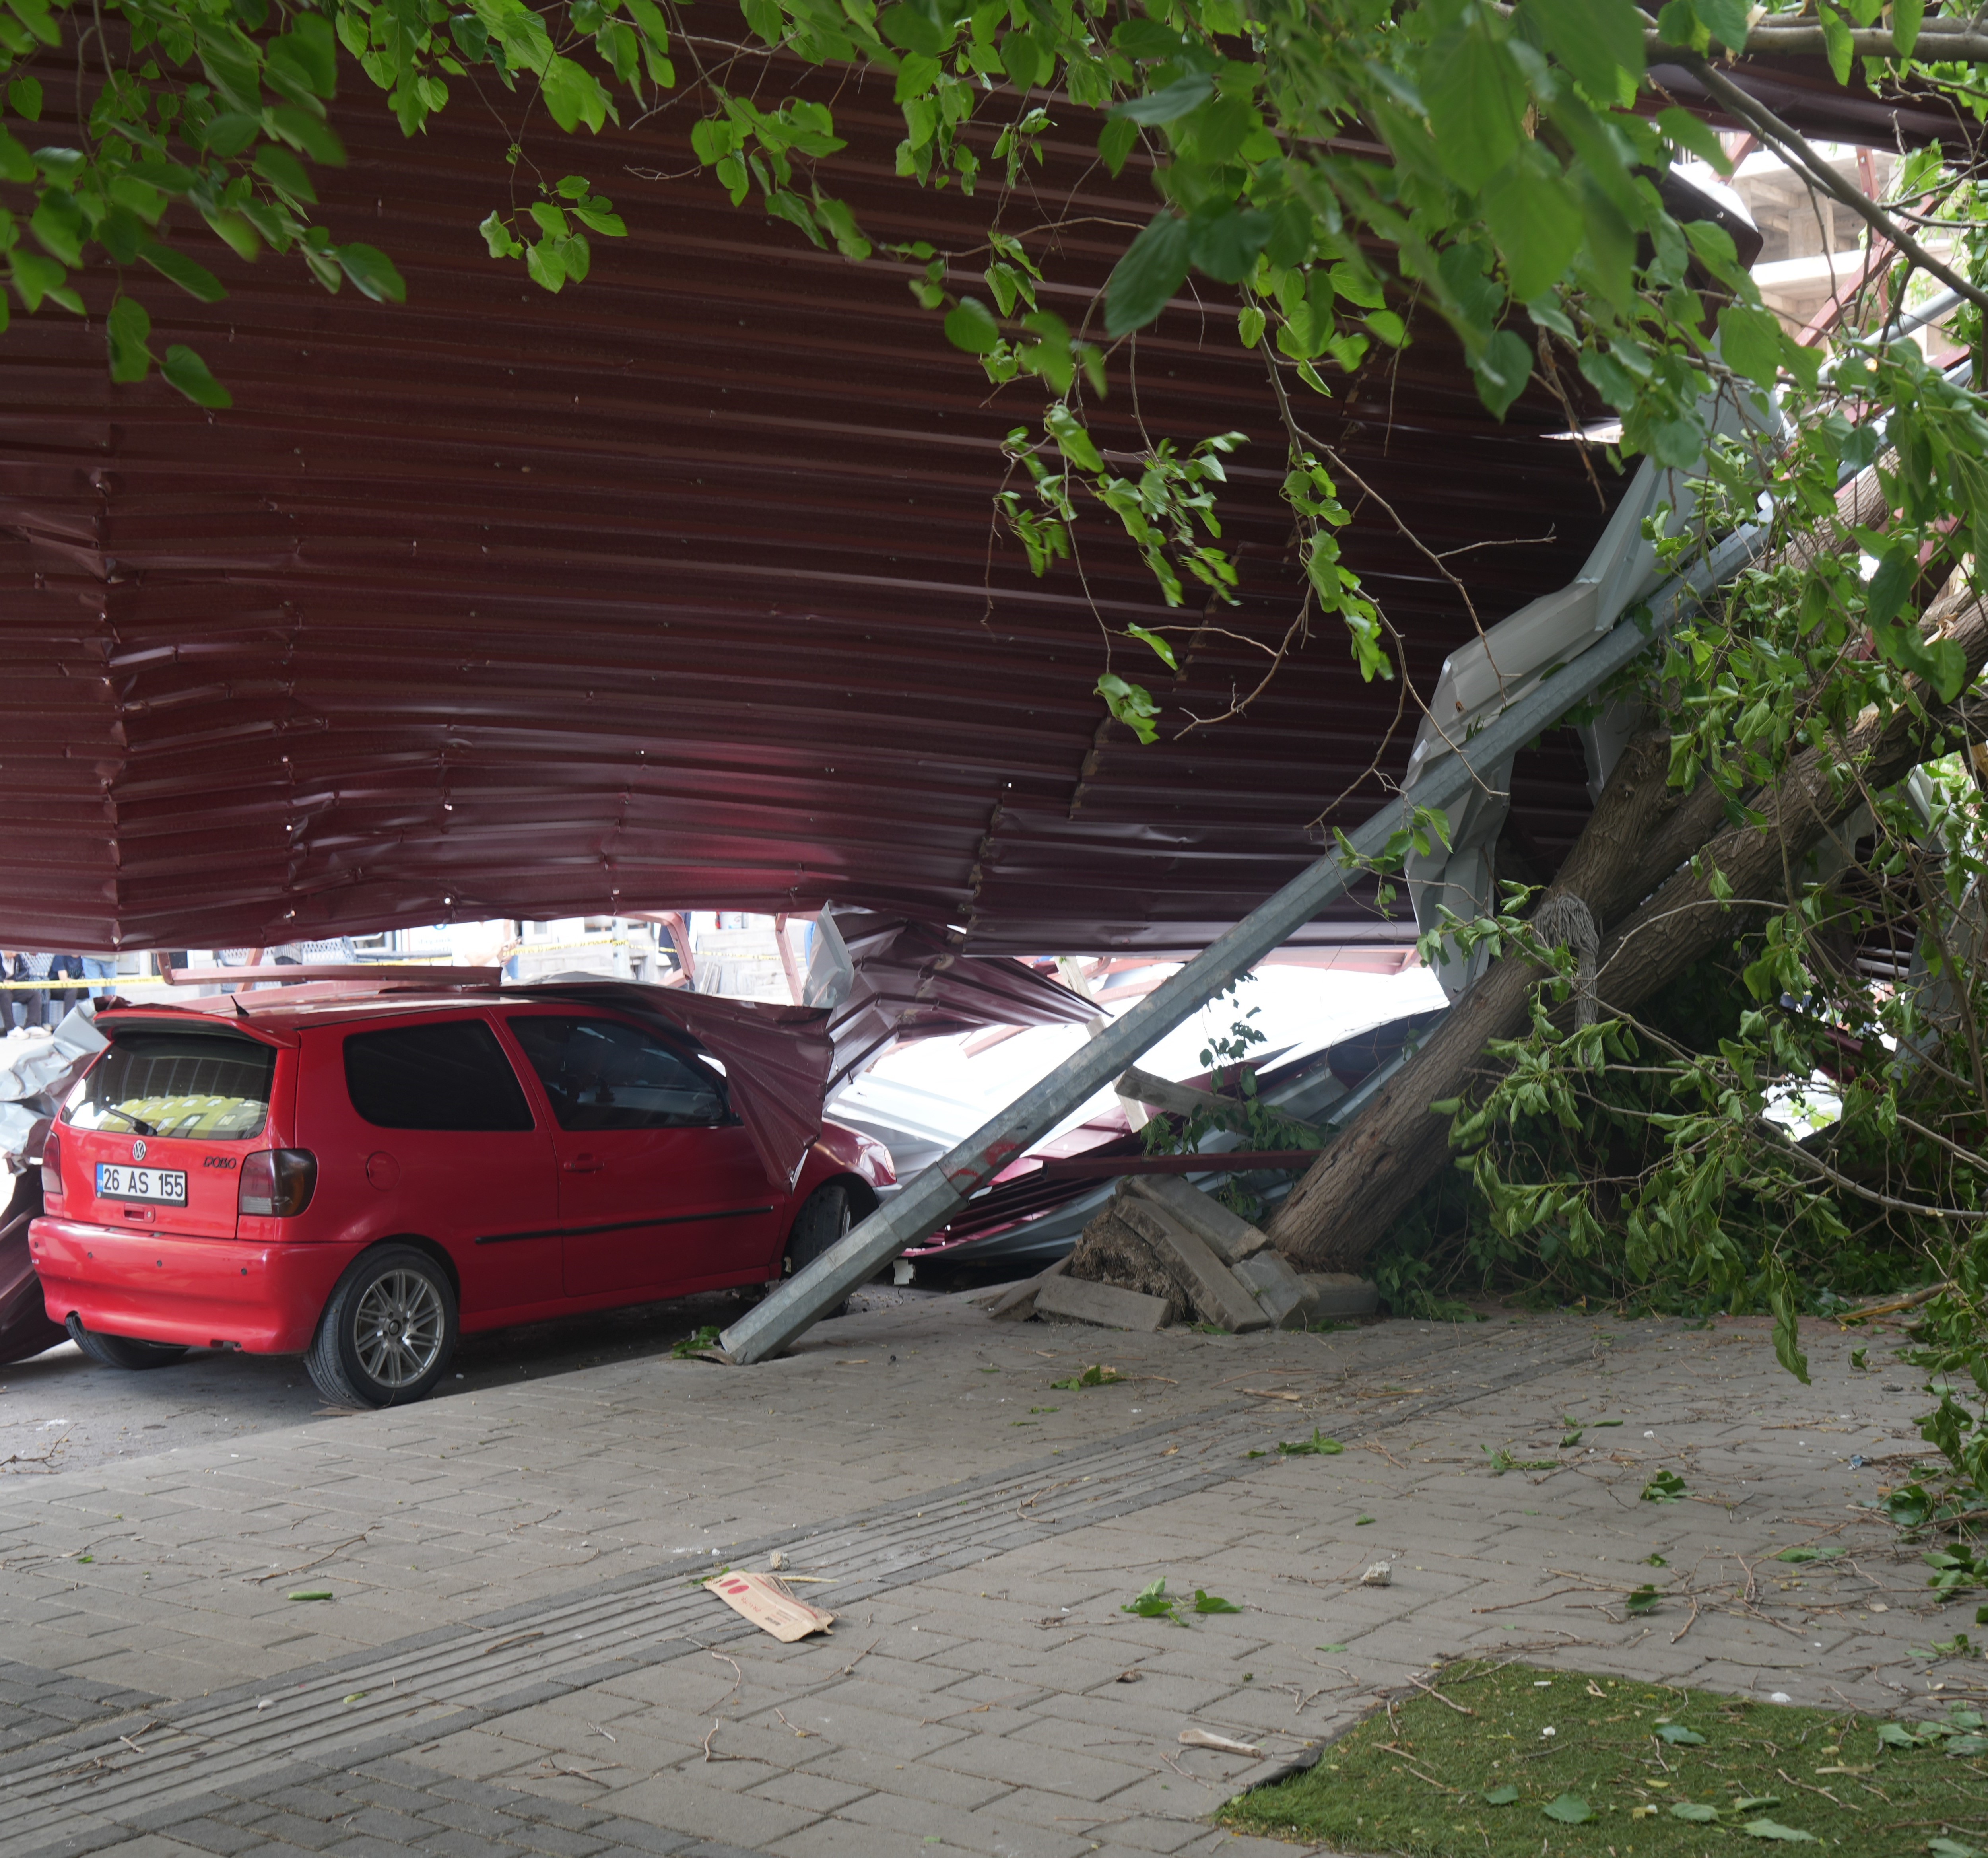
[100, 967]
[30, 1004]
[64, 967]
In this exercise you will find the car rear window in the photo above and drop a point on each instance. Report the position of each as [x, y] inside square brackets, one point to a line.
[212, 1086]
[602, 1074]
[453, 1075]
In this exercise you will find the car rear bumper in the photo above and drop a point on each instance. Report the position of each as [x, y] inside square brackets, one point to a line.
[262, 1298]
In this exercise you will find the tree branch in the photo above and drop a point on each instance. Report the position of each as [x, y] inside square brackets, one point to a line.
[1770, 128]
[1956, 41]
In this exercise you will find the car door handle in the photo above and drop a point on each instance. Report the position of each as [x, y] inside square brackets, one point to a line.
[582, 1164]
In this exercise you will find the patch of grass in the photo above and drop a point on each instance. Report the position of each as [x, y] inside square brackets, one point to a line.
[1435, 1783]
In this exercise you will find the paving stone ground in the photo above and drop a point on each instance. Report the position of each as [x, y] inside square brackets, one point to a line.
[517, 1657]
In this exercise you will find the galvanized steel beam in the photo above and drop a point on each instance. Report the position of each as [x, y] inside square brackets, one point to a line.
[930, 1198]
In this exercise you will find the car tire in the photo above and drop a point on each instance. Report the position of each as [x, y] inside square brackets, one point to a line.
[123, 1351]
[826, 1216]
[387, 1332]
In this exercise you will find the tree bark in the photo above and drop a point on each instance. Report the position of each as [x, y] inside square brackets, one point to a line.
[1640, 833]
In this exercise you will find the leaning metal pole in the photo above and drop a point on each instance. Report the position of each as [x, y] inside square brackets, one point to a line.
[930, 1198]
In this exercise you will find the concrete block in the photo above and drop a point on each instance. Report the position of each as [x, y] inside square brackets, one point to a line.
[1217, 1293]
[1103, 1304]
[1228, 1235]
[1281, 1292]
[1017, 1301]
[1339, 1293]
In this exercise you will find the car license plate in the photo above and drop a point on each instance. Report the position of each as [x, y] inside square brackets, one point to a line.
[117, 1182]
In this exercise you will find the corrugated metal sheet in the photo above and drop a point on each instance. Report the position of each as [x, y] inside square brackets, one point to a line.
[678, 590]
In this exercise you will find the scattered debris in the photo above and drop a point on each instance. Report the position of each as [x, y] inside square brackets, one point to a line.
[1317, 1446]
[1160, 1251]
[1153, 1602]
[1380, 1574]
[1093, 1376]
[764, 1599]
[1665, 1487]
[312, 1593]
[777, 1560]
[1221, 1744]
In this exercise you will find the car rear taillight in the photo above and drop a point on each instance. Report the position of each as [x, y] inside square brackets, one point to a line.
[276, 1182]
[51, 1185]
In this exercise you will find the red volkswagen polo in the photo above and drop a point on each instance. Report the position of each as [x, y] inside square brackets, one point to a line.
[359, 1180]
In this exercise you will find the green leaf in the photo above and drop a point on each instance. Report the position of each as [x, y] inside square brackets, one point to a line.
[1159, 645]
[1687, 132]
[226, 135]
[1598, 40]
[1695, 1814]
[24, 98]
[1645, 1600]
[1153, 267]
[1538, 227]
[1897, 570]
[1317, 1446]
[1772, 1829]
[1838, 45]
[36, 278]
[373, 271]
[1213, 1602]
[1072, 440]
[914, 29]
[285, 172]
[15, 163]
[1907, 17]
[1225, 242]
[312, 1593]
[1133, 705]
[1170, 105]
[1750, 342]
[573, 95]
[1727, 20]
[1249, 325]
[126, 329]
[970, 325]
[195, 280]
[1475, 100]
[1502, 370]
[1501, 1796]
[1678, 1736]
[1115, 140]
[1569, 1810]
[185, 370]
[1025, 60]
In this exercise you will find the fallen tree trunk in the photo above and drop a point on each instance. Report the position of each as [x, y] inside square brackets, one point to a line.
[1633, 845]
[1355, 1190]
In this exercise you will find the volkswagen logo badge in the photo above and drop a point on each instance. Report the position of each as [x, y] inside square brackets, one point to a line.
[138, 1150]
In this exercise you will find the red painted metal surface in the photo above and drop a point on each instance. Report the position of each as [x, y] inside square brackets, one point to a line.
[680, 589]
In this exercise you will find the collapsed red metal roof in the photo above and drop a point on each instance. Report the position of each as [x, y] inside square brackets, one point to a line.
[680, 589]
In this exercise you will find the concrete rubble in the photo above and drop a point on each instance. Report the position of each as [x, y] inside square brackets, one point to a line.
[1160, 1251]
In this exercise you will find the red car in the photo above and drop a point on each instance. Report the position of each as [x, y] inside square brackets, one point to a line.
[359, 1180]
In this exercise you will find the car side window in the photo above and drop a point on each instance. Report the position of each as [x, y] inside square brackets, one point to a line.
[603, 1074]
[452, 1076]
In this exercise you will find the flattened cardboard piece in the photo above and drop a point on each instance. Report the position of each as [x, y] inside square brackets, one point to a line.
[765, 1600]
